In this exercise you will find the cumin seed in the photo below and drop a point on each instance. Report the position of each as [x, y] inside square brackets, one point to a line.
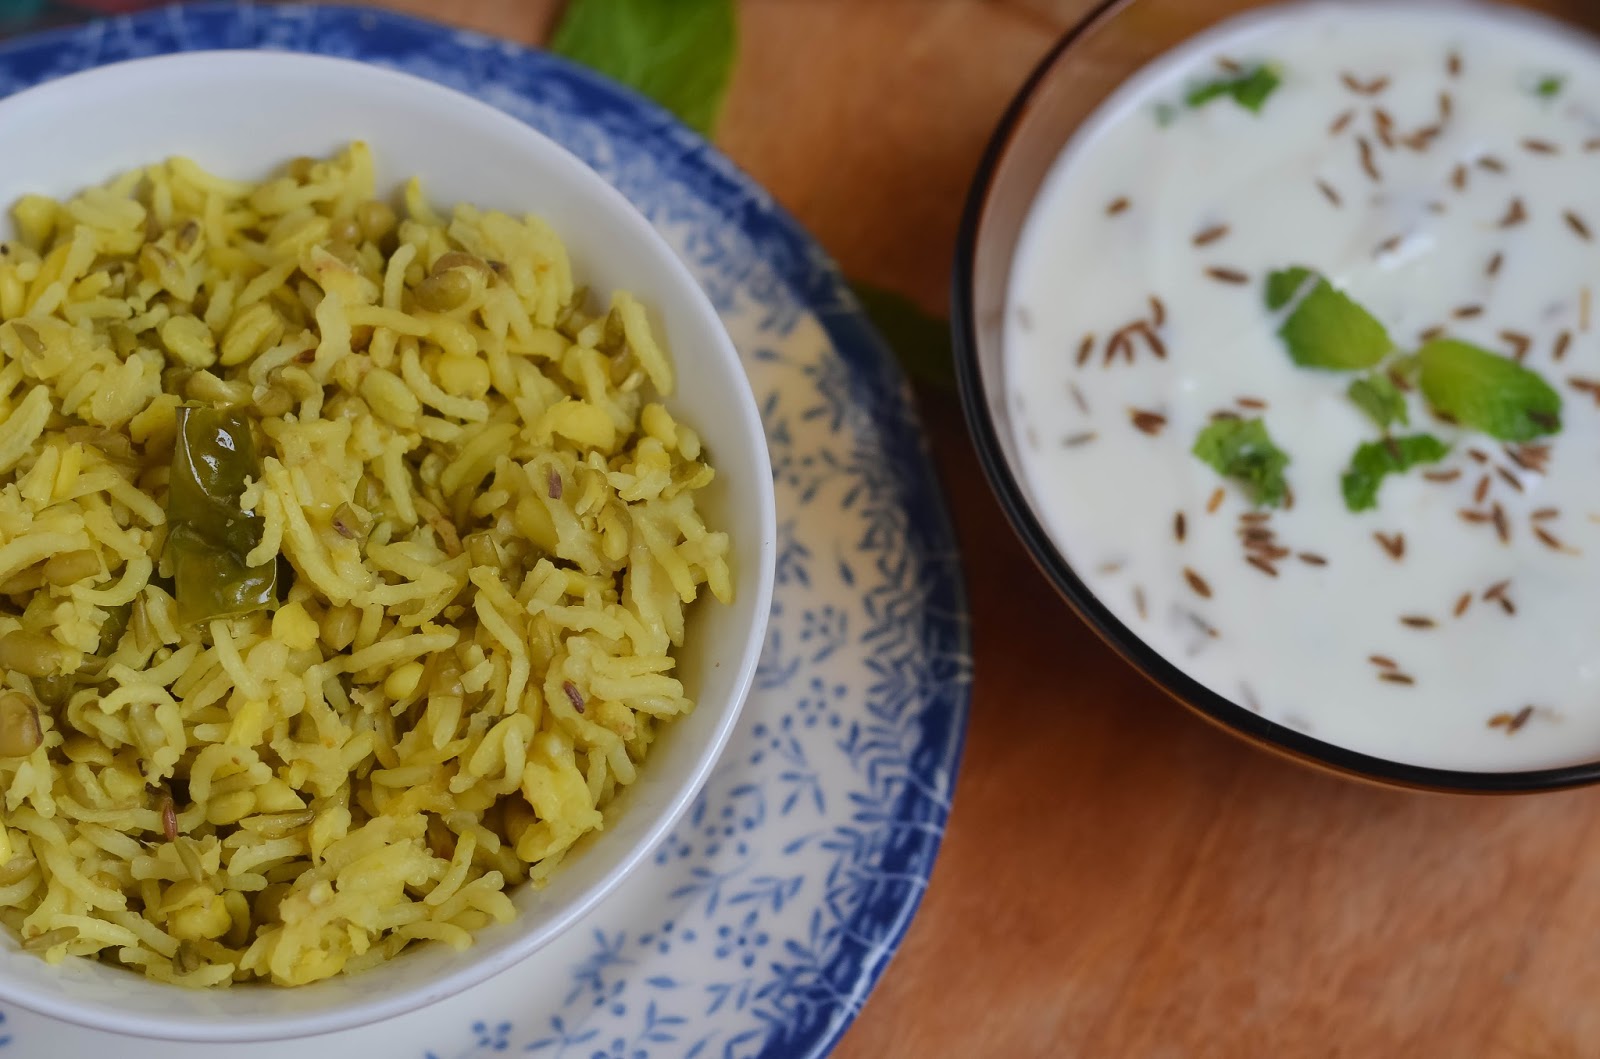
[1463, 603]
[1578, 225]
[1196, 582]
[1588, 386]
[1147, 422]
[1312, 559]
[1215, 501]
[1395, 545]
[1563, 342]
[1365, 88]
[1397, 678]
[1519, 720]
[1467, 312]
[1158, 311]
[1263, 565]
[1383, 123]
[1388, 246]
[1475, 517]
[1453, 64]
[1117, 206]
[1458, 178]
[1369, 163]
[1085, 349]
[1117, 345]
[1342, 122]
[1329, 193]
[1138, 602]
[1502, 528]
[1491, 163]
[1545, 513]
[1180, 527]
[1493, 268]
[1447, 106]
[1211, 235]
[1432, 333]
[1153, 340]
[1548, 539]
[1077, 397]
[1417, 621]
[1072, 441]
[1536, 146]
[1478, 455]
[1255, 518]
[1383, 662]
[1482, 491]
[1510, 479]
[1519, 343]
[1442, 476]
[1516, 213]
[1251, 402]
[1227, 275]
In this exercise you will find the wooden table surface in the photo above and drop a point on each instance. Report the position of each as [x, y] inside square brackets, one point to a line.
[1120, 879]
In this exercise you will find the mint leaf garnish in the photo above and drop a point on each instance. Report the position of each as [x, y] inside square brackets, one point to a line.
[1550, 86]
[1381, 399]
[1376, 460]
[1327, 329]
[1487, 392]
[680, 54]
[1249, 89]
[1242, 449]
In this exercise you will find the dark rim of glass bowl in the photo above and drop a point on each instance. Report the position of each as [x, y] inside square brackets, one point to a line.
[1164, 674]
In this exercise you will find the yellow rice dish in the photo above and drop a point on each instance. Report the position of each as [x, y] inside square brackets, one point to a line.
[343, 558]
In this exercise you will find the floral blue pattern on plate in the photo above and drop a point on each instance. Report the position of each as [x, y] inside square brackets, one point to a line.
[760, 925]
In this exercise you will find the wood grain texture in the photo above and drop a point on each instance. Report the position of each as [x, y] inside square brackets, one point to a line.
[1120, 879]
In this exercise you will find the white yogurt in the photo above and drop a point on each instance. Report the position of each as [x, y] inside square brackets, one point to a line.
[1420, 240]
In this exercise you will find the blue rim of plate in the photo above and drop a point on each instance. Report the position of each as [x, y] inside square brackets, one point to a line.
[874, 382]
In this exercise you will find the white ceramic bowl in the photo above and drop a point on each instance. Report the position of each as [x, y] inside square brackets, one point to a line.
[242, 114]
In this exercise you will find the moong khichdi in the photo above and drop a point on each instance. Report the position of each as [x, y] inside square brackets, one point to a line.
[342, 559]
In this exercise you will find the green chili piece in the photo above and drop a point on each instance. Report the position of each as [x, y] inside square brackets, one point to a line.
[208, 534]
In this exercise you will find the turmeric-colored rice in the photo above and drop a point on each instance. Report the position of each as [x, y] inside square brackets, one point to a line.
[484, 537]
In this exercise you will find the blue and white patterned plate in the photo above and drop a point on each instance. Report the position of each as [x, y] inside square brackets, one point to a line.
[761, 924]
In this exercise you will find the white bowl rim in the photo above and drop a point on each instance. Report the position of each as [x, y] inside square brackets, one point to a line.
[473, 972]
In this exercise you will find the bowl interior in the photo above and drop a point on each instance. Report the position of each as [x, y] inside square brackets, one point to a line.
[243, 113]
[1080, 73]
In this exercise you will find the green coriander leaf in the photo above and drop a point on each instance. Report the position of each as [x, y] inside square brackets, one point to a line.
[1487, 392]
[680, 54]
[1249, 89]
[1376, 460]
[1549, 87]
[1242, 449]
[1165, 114]
[1381, 399]
[920, 341]
[1326, 329]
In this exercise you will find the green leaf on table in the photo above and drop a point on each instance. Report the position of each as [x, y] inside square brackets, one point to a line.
[921, 342]
[1376, 460]
[1242, 449]
[1485, 391]
[680, 54]
[1249, 89]
[1325, 328]
[1381, 399]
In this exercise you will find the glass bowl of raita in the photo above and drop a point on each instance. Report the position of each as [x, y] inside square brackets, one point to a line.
[1278, 332]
